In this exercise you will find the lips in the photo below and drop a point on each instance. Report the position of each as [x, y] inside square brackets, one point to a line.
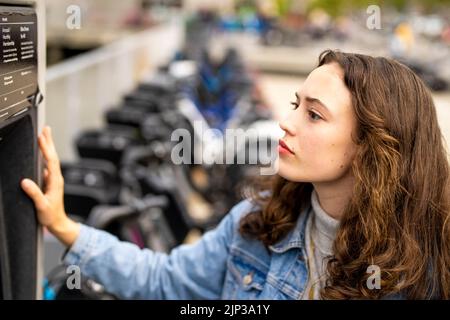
[284, 146]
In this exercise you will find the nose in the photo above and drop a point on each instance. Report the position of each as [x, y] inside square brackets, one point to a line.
[287, 126]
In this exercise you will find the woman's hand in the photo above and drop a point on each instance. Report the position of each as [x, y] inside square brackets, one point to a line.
[50, 204]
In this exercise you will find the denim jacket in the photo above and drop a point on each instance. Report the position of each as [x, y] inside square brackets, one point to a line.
[221, 265]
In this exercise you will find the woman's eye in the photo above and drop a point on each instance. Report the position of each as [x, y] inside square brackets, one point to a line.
[295, 104]
[314, 116]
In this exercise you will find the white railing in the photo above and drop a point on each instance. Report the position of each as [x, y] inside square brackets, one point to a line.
[80, 89]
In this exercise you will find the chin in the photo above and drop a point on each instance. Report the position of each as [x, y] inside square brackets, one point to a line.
[289, 173]
[293, 173]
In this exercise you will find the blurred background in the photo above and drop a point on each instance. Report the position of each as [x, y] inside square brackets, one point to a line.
[121, 42]
[122, 75]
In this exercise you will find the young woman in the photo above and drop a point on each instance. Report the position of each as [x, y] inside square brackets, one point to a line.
[359, 208]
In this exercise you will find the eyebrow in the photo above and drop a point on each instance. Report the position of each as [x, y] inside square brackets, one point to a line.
[313, 100]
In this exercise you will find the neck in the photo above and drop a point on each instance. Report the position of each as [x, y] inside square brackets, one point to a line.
[334, 196]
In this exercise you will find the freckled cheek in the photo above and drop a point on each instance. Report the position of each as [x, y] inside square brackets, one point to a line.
[313, 148]
[323, 153]
[340, 156]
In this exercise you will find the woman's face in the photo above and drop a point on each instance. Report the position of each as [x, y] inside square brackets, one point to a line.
[317, 145]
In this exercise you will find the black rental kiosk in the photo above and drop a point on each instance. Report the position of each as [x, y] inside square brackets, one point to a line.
[19, 104]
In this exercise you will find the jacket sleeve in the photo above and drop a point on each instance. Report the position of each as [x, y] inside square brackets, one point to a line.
[194, 271]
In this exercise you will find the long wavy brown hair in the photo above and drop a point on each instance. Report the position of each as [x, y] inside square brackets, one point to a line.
[398, 215]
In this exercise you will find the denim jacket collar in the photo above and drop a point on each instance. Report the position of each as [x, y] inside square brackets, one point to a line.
[296, 237]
